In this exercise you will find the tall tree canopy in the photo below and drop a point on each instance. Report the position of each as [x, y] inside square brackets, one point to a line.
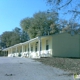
[39, 24]
[68, 26]
[9, 38]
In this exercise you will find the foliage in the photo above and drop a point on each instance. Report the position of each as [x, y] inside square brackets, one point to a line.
[9, 38]
[24, 36]
[39, 24]
[69, 26]
[6, 38]
[54, 29]
[67, 6]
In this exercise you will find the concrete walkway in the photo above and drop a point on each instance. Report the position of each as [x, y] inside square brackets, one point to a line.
[27, 69]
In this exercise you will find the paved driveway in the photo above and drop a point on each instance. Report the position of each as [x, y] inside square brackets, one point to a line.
[27, 69]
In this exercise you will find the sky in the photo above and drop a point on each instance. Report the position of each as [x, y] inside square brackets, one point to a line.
[13, 11]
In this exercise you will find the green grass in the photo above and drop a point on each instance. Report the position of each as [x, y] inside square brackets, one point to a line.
[67, 64]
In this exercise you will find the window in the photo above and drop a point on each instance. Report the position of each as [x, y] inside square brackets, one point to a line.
[35, 48]
[40, 48]
[47, 47]
[47, 44]
[28, 49]
[25, 48]
[36, 45]
[32, 48]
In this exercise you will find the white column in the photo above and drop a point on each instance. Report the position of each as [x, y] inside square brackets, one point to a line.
[39, 46]
[11, 50]
[22, 48]
[16, 52]
[29, 50]
[29, 47]
[16, 49]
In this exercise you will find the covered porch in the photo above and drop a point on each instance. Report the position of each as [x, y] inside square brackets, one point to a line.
[34, 48]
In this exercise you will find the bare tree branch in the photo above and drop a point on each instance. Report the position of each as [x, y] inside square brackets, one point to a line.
[74, 11]
[65, 4]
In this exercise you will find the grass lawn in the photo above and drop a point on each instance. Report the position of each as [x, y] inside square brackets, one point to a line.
[67, 64]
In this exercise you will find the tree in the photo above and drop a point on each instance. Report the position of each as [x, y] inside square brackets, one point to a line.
[10, 38]
[54, 29]
[39, 24]
[68, 6]
[2, 45]
[6, 38]
[24, 36]
[18, 36]
[62, 24]
[68, 26]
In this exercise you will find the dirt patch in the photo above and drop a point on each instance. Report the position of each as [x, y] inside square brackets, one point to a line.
[67, 64]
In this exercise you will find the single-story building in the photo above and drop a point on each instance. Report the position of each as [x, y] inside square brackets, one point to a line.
[58, 45]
